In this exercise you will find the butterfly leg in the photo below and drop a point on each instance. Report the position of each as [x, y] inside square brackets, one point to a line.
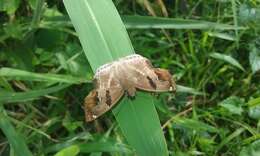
[131, 92]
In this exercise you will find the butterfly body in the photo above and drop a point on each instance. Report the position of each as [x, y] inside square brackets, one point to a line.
[124, 75]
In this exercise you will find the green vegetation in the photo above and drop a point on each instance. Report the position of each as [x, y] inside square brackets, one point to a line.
[211, 47]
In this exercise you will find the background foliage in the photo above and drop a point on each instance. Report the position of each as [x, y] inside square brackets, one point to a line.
[211, 47]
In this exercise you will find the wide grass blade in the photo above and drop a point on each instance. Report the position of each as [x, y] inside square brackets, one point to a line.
[194, 124]
[17, 143]
[92, 147]
[104, 39]
[144, 135]
[184, 89]
[100, 29]
[69, 151]
[16, 74]
[254, 58]
[7, 97]
[224, 36]
[227, 59]
[146, 22]
[149, 22]
[108, 146]
[229, 138]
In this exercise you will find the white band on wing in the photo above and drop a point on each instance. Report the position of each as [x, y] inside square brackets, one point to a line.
[107, 66]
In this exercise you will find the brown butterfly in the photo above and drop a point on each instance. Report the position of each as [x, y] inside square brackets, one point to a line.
[124, 75]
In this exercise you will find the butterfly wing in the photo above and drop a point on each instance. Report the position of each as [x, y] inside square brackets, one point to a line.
[148, 78]
[106, 94]
[127, 74]
[90, 102]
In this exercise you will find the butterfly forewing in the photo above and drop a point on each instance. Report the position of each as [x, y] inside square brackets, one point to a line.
[108, 92]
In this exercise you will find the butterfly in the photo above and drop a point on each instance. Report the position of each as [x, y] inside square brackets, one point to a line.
[124, 76]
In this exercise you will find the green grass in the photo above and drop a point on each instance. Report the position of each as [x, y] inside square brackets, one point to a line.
[15, 140]
[47, 63]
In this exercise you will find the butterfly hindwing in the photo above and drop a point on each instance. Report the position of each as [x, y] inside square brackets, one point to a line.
[148, 78]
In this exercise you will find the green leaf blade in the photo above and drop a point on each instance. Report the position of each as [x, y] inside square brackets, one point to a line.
[109, 41]
[254, 59]
[145, 22]
[233, 104]
[227, 59]
[8, 97]
[104, 46]
[137, 122]
[16, 74]
[69, 151]
[14, 139]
